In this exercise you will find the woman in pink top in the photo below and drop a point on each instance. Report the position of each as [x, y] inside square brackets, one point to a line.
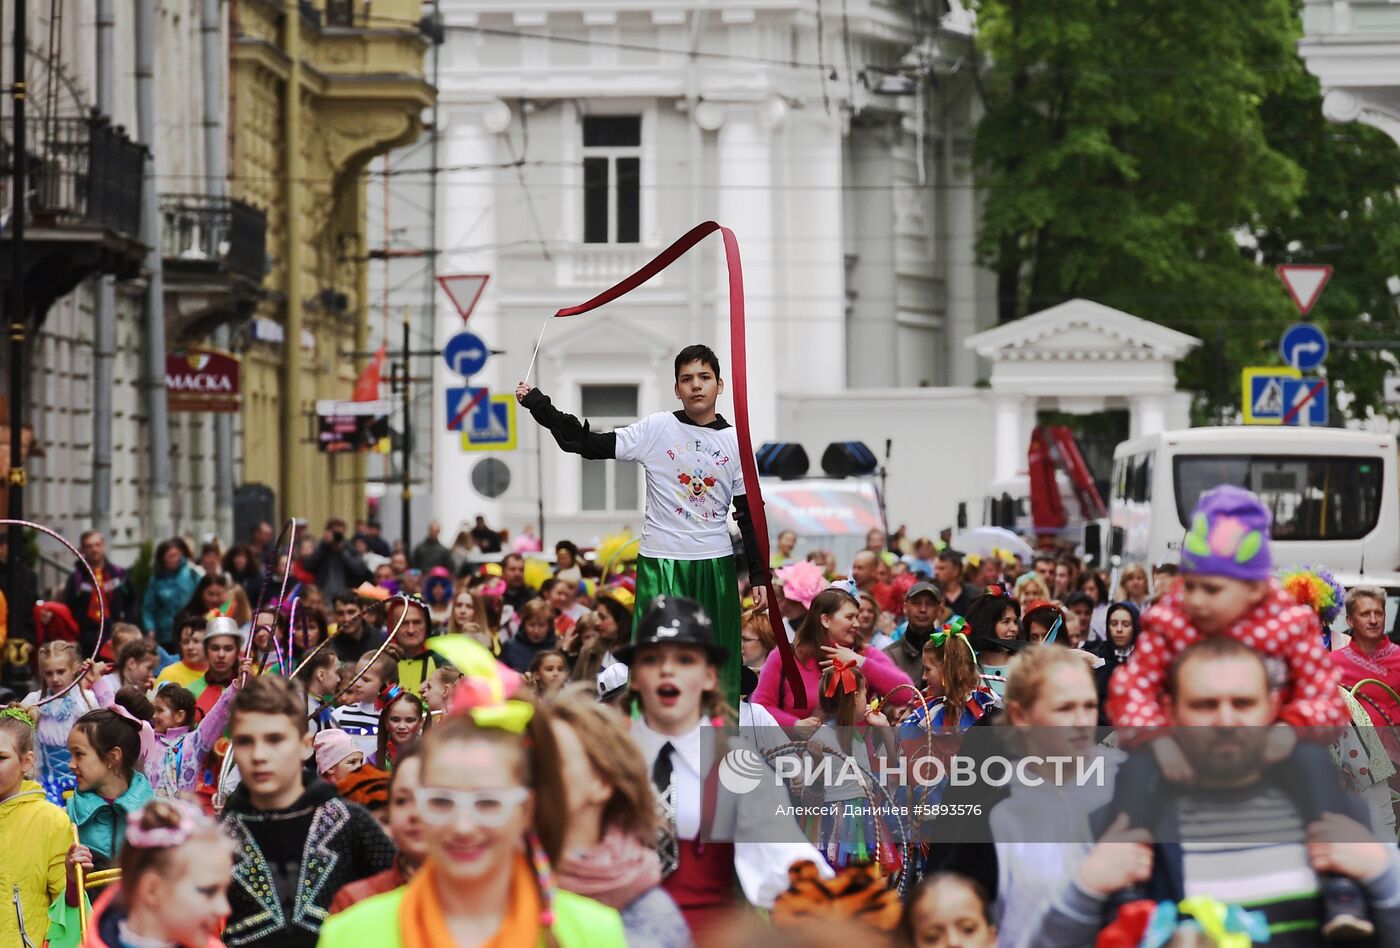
[828, 632]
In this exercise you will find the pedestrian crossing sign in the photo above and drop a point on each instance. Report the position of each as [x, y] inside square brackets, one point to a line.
[1264, 393]
[491, 425]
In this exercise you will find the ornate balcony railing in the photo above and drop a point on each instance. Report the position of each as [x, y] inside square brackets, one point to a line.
[81, 172]
[226, 231]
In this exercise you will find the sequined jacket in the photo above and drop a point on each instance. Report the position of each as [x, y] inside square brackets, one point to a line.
[292, 862]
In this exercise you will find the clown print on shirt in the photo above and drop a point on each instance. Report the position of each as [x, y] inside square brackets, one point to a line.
[693, 475]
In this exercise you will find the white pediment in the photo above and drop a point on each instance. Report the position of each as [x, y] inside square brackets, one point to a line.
[601, 335]
[1082, 330]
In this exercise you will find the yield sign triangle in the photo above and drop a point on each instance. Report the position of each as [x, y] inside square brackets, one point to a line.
[1304, 282]
[464, 290]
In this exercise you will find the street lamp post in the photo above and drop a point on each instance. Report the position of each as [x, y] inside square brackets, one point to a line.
[18, 320]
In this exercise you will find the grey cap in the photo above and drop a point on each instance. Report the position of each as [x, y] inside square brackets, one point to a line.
[924, 586]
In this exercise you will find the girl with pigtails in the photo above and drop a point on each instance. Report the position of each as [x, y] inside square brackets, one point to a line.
[492, 800]
[59, 666]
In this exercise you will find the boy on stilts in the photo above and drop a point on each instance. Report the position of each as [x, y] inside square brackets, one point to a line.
[693, 475]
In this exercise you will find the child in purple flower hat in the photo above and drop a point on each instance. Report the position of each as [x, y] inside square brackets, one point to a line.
[1227, 589]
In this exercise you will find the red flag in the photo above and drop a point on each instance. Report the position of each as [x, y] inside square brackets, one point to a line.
[367, 385]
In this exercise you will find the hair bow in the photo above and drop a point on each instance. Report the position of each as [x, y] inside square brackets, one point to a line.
[843, 676]
[996, 589]
[148, 733]
[486, 687]
[847, 586]
[163, 837]
[387, 696]
[954, 628]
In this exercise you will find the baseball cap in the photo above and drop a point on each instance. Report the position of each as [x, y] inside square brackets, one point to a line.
[924, 586]
[612, 681]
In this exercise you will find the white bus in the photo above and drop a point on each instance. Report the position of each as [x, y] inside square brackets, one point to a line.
[1333, 493]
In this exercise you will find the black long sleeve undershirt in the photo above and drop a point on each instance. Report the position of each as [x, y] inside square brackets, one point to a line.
[758, 569]
[572, 435]
[575, 437]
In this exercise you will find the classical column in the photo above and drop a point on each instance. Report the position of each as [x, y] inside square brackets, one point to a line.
[1010, 442]
[467, 218]
[745, 206]
[872, 332]
[812, 311]
[1147, 415]
[961, 226]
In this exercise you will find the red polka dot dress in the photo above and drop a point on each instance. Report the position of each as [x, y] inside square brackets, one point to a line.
[1278, 628]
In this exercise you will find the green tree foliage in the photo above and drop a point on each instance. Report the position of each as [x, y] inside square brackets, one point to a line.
[1160, 156]
[1348, 216]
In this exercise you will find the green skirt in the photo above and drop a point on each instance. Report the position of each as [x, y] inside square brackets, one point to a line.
[714, 585]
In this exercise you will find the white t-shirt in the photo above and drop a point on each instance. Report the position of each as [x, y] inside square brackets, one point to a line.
[693, 475]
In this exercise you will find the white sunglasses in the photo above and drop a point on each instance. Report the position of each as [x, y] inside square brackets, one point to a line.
[438, 806]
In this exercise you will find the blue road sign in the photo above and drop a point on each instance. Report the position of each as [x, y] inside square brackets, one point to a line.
[463, 403]
[1303, 346]
[1305, 402]
[491, 426]
[466, 353]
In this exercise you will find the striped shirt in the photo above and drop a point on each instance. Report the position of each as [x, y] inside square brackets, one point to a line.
[360, 721]
[1246, 847]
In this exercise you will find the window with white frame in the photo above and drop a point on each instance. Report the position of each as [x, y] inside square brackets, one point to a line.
[612, 179]
[607, 485]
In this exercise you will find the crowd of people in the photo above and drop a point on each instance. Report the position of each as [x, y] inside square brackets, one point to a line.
[552, 778]
[338, 741]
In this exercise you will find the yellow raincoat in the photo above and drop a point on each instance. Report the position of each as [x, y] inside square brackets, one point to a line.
[36, 836]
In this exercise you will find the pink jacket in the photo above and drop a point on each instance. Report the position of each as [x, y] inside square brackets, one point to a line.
[882, 676]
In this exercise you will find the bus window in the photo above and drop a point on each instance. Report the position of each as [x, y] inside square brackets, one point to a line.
[1310, 498]
[1139, 478]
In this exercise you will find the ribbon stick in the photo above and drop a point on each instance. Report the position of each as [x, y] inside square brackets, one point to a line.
[739, 363]
[536, 354]
[289, 528]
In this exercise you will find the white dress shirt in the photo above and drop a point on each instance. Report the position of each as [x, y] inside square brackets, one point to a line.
[762, 867]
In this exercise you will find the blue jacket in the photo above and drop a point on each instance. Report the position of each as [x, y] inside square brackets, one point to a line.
[166, 595]
[102, 825]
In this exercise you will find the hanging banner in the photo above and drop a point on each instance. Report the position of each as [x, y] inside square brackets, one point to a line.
[202, 379]
[351, 426]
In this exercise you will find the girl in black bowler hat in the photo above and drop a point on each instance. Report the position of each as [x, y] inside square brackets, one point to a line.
[710, 837]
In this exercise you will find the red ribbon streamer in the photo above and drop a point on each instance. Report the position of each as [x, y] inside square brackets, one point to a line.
[739, 368]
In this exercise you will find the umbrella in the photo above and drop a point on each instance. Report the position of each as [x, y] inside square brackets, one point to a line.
[986, 541]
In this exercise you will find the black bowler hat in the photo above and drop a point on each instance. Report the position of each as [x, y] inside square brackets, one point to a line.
[674, 620]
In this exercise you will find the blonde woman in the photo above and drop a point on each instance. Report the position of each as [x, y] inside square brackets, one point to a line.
[1029, 588]
[1052, 706]
[1132, 586]
[612, 820]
